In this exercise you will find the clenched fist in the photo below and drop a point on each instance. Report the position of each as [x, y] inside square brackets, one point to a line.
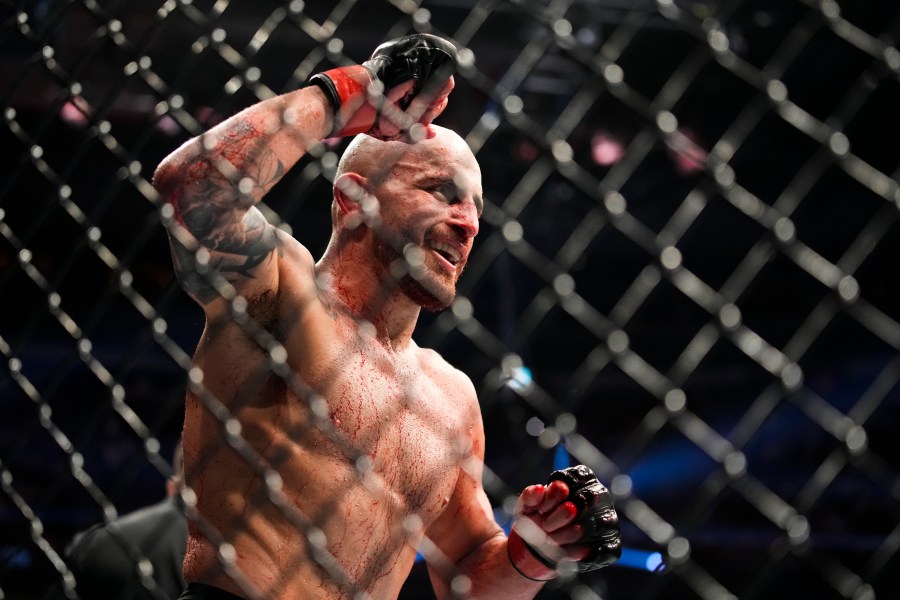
[570, 518]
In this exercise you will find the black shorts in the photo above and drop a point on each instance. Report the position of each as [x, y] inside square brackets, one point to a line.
[201, 591]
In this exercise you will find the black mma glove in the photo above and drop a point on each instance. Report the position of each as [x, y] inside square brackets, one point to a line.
[596, 515]
[593, 512]
[426, 60]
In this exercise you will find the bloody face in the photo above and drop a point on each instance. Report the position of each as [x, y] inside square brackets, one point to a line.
[429, 207]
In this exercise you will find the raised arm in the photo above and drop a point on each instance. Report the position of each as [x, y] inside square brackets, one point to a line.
[214, 181]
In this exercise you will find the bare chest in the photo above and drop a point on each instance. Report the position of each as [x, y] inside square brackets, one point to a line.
[401, 425]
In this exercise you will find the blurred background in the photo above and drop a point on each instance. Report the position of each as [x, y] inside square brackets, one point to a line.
[684, 277]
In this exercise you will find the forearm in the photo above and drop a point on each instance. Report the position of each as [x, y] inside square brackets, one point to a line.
[493, 576]
[213, 180]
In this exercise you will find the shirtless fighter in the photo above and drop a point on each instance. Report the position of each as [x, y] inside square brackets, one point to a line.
[378, 444]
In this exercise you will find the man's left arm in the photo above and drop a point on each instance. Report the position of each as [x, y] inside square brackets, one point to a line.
[571, 518]
[467, 541]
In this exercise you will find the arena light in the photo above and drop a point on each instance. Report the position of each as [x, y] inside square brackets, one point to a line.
[75, 112]
[643, 560]
[520, 379]
[685, 151]
[606, 149]
[168, 125]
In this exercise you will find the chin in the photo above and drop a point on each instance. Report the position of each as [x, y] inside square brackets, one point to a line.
[428, 300]
[434, 292]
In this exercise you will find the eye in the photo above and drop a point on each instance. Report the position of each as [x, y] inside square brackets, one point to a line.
[444, 192]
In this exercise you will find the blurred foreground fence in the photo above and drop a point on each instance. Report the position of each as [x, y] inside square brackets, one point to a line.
[685, 277]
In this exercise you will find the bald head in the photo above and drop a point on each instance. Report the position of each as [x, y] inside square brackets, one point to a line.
[426, 193]
[374, 159]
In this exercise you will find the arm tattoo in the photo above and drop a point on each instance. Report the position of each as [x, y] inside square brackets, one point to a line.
[215, 203]
[204, 282]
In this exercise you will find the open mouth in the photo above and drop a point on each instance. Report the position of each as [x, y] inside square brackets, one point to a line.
[446, 251]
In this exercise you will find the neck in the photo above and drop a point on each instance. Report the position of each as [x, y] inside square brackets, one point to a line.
[367, 291]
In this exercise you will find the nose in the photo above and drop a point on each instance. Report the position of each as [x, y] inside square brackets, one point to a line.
[465, 218]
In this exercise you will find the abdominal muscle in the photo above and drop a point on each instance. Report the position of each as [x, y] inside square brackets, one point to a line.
[365, 545]
[348, 508]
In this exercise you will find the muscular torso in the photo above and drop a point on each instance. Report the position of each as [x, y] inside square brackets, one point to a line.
[359, 475]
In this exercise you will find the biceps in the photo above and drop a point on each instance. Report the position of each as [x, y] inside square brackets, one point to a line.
[239, 251]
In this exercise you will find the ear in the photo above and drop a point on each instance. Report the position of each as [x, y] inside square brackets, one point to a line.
[354, 208]
[349, 192]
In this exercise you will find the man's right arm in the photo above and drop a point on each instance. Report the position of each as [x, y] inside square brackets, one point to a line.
[214, 181]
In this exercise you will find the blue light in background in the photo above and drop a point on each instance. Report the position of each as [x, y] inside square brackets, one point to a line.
[676, 464]
[640, 559]
[561, 458]
[520, 379]
[632, 558]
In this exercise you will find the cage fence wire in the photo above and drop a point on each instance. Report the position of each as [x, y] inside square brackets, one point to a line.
[682, 279]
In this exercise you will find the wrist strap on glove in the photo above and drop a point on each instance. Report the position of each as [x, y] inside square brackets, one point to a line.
[527, 561]
[338, 86]
[426, 60]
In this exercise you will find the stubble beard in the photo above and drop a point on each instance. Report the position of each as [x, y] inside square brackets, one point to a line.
[434, 298]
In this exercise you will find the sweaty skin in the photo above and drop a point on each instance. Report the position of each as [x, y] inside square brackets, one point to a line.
[395, 462]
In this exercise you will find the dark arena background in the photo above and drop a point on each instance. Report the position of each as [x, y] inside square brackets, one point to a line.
[686, 277]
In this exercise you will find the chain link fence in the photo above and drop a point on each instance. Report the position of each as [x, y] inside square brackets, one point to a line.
[682, 280]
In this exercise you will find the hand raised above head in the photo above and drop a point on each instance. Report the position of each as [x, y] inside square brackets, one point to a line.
[405, 81]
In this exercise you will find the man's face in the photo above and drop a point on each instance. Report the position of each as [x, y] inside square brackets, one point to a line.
[430, 207]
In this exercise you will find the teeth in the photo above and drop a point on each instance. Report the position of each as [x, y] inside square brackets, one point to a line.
[452, 253]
